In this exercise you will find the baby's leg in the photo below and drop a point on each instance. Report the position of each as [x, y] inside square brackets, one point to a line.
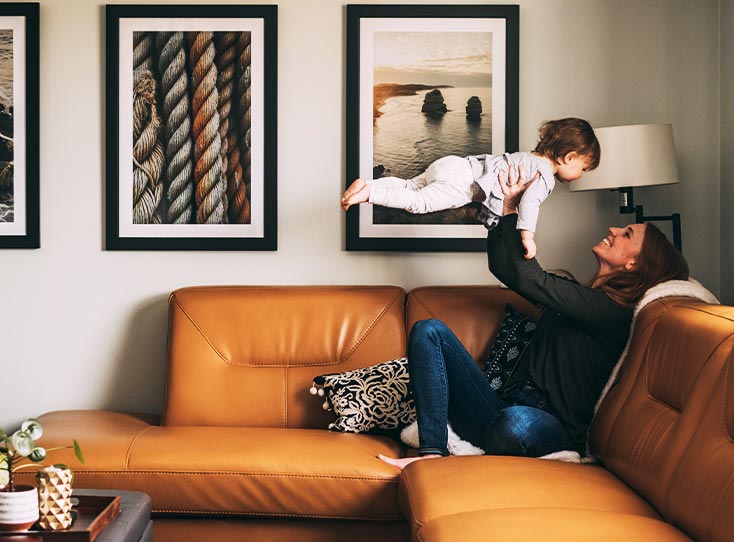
[445, 185]
[357, 192]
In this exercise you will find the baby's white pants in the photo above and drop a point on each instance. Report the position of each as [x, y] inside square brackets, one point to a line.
[446, 184]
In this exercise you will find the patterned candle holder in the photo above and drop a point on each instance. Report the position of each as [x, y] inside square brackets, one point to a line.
[54, 498]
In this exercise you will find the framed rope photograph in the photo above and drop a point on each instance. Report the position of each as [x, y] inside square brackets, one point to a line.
[19, 166]
[425, 82]
[191, 127]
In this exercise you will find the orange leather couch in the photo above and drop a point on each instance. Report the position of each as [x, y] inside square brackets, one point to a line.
[241, 451]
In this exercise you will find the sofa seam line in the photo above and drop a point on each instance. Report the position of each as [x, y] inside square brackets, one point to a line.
[273, 514]
[201, 332]
[126, 463]
[238, 474]
[422, 304]
[374, 323]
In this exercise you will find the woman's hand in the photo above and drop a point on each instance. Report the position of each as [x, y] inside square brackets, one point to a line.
[513, 186]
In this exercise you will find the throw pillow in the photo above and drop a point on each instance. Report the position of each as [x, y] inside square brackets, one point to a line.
[513, 338]
[375, 397]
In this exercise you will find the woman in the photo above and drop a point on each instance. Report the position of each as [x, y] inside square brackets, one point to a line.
[548, 404]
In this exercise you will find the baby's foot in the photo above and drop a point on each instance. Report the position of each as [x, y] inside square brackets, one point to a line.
[358, 192]
[404, 461]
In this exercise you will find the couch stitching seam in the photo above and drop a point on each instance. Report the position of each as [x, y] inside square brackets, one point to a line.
[274, 514]
[201, 332]
[422, 304]
[249, 474]
[372, 325]
[703, 366]
[132, 443]
[265, 365]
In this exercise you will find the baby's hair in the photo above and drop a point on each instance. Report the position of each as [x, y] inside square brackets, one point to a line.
[559, 137]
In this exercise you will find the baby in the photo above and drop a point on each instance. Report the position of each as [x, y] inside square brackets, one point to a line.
[566, 148]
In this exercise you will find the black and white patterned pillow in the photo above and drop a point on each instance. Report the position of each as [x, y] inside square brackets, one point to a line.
[513, 338]
[375, 397]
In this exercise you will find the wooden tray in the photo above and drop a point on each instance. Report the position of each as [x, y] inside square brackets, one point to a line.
[94, 513]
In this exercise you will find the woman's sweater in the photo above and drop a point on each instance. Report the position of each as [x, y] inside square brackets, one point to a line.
[579, 337]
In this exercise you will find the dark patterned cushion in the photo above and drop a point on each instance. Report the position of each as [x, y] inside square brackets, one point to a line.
[514, 336]
[375, 397]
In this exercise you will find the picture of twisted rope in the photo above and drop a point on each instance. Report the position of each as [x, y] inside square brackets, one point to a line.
[191, 127]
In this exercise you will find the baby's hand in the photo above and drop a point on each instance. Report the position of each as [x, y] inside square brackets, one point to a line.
[529, 243]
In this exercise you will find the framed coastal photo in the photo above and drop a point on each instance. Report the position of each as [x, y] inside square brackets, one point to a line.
[424, 82]
[19, 167]
[191, 127]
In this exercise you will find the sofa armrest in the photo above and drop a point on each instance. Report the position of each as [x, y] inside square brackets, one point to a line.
[105, 437]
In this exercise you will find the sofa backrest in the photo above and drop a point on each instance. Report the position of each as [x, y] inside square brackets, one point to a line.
[473, 313]
[246, 356]
[666, 428]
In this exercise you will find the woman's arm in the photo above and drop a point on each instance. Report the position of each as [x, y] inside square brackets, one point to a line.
[590, 306]
[505, 253]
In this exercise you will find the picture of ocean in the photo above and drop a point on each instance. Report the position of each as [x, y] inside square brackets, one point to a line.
[408, 137]
[6, 120]
[6, 67]
[406, 141]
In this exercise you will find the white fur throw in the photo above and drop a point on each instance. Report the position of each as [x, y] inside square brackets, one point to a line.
[672, 288]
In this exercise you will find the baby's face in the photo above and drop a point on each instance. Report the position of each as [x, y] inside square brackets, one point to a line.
[571, 167]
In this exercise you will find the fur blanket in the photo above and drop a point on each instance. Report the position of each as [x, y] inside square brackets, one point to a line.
[678, 288]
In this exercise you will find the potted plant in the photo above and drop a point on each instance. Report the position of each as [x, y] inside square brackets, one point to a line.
[19, 503]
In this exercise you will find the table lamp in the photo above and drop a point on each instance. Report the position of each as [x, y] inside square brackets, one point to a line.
[634, 155]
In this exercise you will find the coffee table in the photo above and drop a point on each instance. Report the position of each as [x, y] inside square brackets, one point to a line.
[133, 523]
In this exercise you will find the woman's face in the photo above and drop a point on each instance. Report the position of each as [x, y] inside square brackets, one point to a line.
[620, 249]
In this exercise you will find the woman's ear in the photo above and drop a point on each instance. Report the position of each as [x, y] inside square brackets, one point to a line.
[630, 265]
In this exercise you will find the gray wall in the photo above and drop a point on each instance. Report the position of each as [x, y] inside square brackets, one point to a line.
[85, 328]
[727, 152]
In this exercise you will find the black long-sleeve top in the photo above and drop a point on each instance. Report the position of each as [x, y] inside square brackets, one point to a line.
[579, 337]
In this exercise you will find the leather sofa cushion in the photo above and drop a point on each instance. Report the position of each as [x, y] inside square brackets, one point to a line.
[649, 419]
[434, 488]
[230, 471]
[549, 525]
[244, 356]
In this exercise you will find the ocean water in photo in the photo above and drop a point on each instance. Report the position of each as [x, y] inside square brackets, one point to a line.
[406, 141]
[6, 67]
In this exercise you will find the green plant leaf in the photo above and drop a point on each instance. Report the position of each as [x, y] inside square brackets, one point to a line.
[78, 452]
[3, 435]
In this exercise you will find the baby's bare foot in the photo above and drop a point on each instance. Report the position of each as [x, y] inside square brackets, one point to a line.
[353, 189]
[405, 461]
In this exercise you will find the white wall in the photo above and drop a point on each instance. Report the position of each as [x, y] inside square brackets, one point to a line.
[85, 328]
[727, 152]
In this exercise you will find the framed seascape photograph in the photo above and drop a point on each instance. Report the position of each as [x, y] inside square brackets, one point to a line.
[191, 127]
[424, 82]
[19, 167]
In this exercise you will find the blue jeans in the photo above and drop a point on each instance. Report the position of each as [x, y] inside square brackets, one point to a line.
[447, 386]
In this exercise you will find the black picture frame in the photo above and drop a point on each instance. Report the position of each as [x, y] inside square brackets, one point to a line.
[364, 22]
[205, 204]
[19, 126]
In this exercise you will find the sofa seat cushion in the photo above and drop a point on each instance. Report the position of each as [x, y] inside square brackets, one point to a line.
[549, 525]
[299, 473]
[440, 487]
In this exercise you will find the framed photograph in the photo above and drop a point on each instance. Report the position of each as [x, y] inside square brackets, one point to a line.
[191, 127]
[424, 82]
[19, 186]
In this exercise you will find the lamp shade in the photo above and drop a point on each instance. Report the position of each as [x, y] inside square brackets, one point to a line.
[633, 155]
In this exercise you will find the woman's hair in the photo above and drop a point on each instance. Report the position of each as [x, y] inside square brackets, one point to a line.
[557, 138]
[657, 262]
